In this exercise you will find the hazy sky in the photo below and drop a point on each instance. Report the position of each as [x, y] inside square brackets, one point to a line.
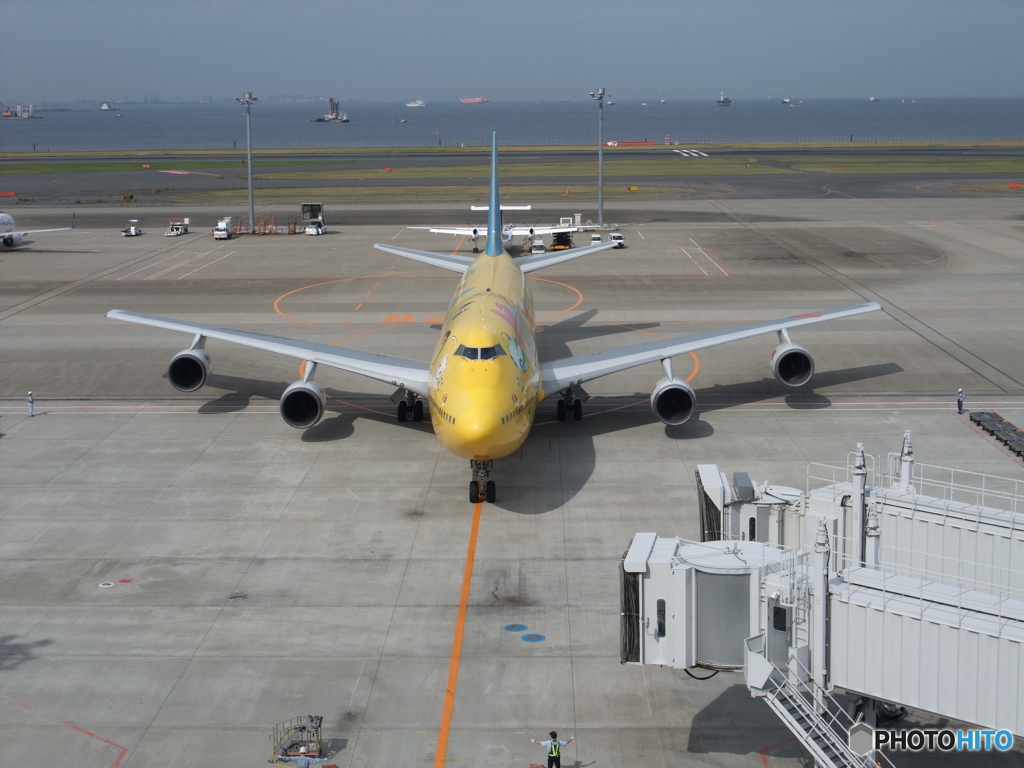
[387, 50]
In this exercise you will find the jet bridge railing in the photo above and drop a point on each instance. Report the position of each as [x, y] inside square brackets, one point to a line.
[822, 476]
[959, 486]
[960, 574]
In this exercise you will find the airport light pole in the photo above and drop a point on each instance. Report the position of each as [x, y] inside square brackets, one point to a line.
[248, 99]
[599, 96]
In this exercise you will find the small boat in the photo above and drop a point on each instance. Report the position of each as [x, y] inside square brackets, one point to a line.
[416, 103]
[873, 99]
[724, 101]
[476, 100]
[401, 119]
[786, 100]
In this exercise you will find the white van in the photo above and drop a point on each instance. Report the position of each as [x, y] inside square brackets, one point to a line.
[538, 246]
[595, 238]
[618, 239]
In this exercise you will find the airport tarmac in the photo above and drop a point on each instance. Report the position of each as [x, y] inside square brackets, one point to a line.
[260, 573]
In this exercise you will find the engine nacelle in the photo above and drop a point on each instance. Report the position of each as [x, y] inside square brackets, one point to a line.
[12, 240]
[188, 369]
[792, 365]
[673, 401]
[302, 404]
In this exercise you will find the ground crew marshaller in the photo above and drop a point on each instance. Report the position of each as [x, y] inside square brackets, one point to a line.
[959, 400]
[31, 405]
[554, 748]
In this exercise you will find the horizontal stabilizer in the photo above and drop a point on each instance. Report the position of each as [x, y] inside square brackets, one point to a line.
[444, 260]
[537, 261]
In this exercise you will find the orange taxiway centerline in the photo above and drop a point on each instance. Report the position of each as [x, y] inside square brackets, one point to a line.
[460, 622]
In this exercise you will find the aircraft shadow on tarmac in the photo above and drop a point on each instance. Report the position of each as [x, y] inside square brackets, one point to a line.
[570, 444]
[13, 653]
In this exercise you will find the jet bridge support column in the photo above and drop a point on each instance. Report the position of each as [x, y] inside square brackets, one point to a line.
[819, 613]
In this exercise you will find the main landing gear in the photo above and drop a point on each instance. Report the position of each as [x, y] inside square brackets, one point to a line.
[409, 406]
[481, 473]
[571, 401]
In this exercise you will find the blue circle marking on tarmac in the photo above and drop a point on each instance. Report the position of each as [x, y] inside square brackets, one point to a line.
[534, 638]
[516, 627]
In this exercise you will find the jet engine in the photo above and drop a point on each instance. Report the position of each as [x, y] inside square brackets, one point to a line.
[673, 401]
[302, 404]
[188, 369]
[792, 364]
[12, 240]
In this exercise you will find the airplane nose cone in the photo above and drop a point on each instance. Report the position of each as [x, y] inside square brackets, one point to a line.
[478, 430]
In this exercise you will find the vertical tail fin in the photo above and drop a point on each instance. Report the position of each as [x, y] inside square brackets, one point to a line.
[494, 246]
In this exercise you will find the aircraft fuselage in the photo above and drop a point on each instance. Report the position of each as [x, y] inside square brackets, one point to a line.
[484, 376]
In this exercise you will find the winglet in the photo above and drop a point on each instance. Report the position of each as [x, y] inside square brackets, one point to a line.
[494, 247]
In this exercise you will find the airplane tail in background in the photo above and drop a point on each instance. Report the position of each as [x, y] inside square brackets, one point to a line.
[494, 246]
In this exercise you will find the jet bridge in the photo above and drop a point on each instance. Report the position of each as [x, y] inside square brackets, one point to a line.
[842, 596]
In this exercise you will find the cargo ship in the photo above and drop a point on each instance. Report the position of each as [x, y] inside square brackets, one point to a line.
[477, 100]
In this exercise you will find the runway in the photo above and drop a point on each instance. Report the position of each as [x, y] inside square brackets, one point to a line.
[260, 573]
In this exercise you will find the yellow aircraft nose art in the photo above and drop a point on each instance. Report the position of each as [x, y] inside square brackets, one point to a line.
[479, 402]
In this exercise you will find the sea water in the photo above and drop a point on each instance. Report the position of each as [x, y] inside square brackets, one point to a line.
[559, 123]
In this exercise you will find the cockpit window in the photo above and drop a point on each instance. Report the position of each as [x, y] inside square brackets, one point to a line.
[480, 353]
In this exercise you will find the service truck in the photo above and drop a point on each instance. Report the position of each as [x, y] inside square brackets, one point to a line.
[313, 218]
[223, 229]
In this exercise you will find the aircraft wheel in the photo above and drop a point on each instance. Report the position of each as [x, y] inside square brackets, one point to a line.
[577, 410]
[561, 409]
[403, 410]
[417, 411]
[474, 491]
[491, 492]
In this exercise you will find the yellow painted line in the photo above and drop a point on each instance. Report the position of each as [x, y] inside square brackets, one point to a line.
[460, 623]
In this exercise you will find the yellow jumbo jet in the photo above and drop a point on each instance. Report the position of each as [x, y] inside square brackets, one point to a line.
[484, 380]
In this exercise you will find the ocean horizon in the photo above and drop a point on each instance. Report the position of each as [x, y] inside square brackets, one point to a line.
[140, 127]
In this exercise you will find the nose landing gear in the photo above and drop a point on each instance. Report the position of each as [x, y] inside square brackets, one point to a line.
[481, 473]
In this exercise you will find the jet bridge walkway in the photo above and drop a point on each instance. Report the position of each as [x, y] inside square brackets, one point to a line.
[841, 597]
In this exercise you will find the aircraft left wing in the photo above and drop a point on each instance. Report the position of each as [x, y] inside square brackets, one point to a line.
[391, 370]
[559, 374]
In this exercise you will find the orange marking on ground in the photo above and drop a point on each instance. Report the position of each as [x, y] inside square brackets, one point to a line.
[459, 245]
[122, 750]
[283, 296]
[357, 309]
[579, 297]
[460, 623]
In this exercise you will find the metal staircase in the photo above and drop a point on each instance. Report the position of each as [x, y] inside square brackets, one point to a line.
[819, 722]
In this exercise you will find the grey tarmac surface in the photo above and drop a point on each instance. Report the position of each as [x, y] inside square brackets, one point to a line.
[261, 573]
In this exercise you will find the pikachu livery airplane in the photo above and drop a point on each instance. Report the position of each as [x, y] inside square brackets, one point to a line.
[484, 381]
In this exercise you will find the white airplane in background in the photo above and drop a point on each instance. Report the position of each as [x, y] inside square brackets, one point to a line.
[508, 231]
[484, 380]
[11, 237]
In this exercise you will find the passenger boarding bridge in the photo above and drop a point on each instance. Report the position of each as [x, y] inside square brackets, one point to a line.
[875, 587]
